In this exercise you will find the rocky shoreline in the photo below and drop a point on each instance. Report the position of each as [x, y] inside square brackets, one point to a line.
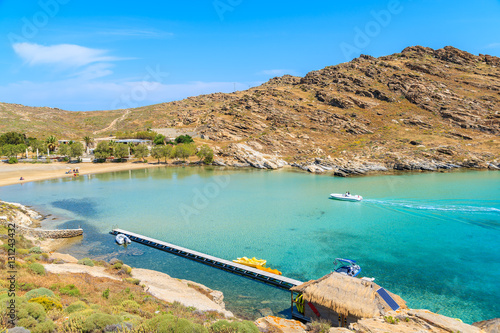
[242, 155]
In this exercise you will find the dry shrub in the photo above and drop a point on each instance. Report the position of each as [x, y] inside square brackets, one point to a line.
[319, 326]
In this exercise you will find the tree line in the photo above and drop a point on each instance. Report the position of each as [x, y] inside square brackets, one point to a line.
[13, 144]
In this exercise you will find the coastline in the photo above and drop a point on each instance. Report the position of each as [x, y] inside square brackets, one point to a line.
[11, 174]
[31, 172]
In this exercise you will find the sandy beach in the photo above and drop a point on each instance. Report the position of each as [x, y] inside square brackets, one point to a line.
[10, 174]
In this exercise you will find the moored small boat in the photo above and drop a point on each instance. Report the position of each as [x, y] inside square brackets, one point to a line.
[346, 197]
[121, 239]
[346, 267]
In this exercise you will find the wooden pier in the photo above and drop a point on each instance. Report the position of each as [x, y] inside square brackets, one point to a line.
[229, 266]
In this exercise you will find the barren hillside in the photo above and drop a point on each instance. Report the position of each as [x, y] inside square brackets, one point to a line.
[418, 109]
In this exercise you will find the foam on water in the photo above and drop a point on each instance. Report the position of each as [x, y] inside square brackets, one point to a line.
[436, 206]
[421, 236]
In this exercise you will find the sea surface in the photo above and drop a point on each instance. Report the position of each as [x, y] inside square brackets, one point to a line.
[432, 238]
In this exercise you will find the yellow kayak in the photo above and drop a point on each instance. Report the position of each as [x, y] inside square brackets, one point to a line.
[269, 270]
[250, 262]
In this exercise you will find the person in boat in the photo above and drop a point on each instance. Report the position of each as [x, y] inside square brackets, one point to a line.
[347, 194]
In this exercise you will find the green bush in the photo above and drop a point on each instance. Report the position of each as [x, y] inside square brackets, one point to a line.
[26, 286]
[86, 262]
[76, 306]
[132, 280]
[39, 292]
[127, 269]
[37, 268]
[33, 257]
[22, 251]
[170, 324]
[105, 293]
[130, 306]
[70, 290]
[184, 139]
[28, 322]
[76, 320]
[118, 265]
[48, 303]
[224, 326]
[12, 160]
[33, 310]
[99, 320]
[319, 326]
[45, 327]
[36, 249]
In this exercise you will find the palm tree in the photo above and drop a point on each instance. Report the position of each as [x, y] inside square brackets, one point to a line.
[51, 143]
[111, 145]
[88, 141]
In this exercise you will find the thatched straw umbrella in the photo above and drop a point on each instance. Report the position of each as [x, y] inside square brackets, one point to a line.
[347, 295]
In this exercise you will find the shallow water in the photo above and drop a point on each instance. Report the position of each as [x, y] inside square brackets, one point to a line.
[432, 238]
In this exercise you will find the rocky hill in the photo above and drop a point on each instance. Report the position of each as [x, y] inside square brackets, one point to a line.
[418, 109]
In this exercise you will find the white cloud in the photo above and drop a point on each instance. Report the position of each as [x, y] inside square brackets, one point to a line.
[276, 72]
[77, 94]
[82, 87]
[142, 33]
[95, 71]
[64, 55]
[493, 46]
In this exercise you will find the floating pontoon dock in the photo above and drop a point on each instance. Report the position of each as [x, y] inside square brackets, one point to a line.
[250, 272]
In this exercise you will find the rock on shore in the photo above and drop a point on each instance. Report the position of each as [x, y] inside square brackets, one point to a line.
[401, 321]
[164, 287]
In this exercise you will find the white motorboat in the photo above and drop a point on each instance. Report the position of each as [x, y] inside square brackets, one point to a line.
[121, 239]
[347, 267]
[346, 197]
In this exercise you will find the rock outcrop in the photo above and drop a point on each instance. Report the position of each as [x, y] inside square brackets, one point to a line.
[277, 324]
[188, 293]
[413, 321]
[401, 321]
[489, 326]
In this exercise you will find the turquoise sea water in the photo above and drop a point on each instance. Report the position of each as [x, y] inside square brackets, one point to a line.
[432, 238]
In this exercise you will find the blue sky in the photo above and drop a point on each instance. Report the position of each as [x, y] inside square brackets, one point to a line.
[99, 55]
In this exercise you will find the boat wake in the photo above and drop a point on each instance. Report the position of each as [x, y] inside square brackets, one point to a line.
[433, 206]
